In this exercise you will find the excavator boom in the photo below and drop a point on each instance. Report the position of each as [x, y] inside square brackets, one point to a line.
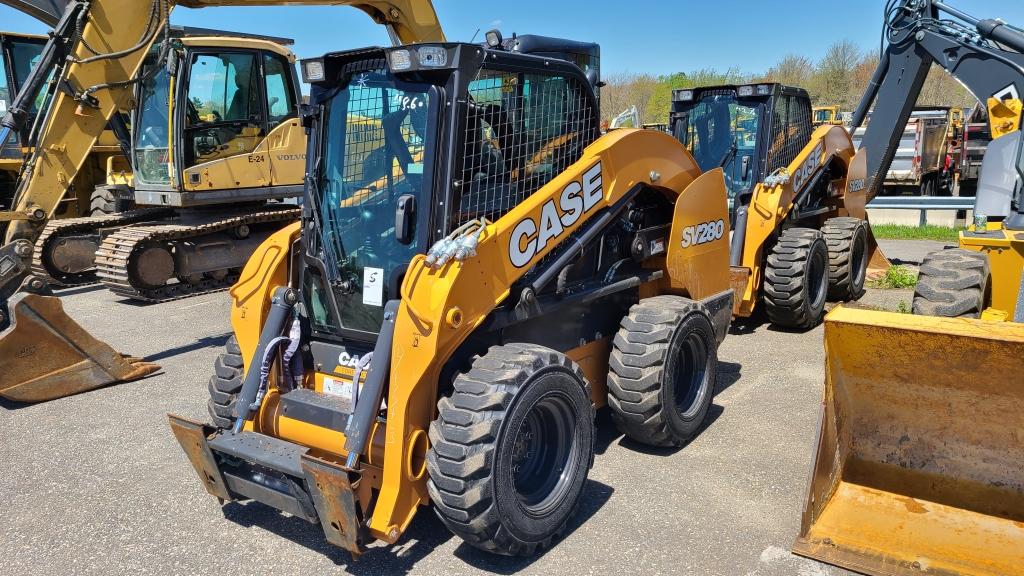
[95, 53]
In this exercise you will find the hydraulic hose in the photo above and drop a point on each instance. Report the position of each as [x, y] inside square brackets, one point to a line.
[281, 306]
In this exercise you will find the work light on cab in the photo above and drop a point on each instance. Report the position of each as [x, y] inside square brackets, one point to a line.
[313, 71]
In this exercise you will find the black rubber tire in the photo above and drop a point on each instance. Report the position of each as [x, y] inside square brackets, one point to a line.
[104, 200]
[952, 284]
[225, 384]
[796, 279]
[475, 437]
[847, 240]
[665, 345]
[928, 186]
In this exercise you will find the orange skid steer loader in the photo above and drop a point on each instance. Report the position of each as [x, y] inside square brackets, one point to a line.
[443, 336]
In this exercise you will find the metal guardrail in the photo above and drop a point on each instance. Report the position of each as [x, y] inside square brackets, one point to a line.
[922, 203]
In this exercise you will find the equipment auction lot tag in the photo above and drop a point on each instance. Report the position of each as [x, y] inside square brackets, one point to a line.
[373, 286]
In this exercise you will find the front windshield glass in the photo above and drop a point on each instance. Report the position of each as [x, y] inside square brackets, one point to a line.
[24, 55]
[153, 163]
[721, 132]
[374, 153]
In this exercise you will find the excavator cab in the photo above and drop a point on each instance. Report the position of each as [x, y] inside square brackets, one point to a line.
[18, 54]
[224, 94]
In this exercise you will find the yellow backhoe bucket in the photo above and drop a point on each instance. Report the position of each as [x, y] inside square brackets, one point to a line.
[920, 456]
[45, 354]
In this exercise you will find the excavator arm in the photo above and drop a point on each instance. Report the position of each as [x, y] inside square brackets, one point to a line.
[985, 55]
[917, 463]
[95, 53]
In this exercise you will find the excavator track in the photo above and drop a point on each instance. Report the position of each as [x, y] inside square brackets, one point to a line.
[120, 251]
[42, 262]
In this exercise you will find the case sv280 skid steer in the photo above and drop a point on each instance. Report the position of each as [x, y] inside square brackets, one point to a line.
[225, 157]
[801, 235]
[918, 467]
[444, 336]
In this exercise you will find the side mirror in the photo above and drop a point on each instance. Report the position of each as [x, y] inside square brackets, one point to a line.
[405, 219]
[307, 112]
[745, 168]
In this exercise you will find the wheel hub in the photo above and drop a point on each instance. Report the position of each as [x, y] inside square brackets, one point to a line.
[541, 450]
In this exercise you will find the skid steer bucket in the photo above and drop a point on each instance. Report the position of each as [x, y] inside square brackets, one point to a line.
[44, 354]
[920, 447]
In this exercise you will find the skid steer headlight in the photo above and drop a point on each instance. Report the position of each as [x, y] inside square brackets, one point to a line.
[400, 60]
[313, 71]
[433, 56]
[745, 90]
[764, 90]
[683, 95]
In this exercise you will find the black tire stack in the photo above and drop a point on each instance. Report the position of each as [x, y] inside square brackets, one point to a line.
[104, 200]
[953, 284]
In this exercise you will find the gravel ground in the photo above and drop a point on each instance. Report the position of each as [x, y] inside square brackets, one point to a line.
[97, 484]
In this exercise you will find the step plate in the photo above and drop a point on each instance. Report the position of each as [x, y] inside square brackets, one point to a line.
[260, 449]
[320, 410]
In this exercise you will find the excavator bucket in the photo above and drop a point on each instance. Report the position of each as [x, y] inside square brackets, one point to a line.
[44, 354]
[920, 456]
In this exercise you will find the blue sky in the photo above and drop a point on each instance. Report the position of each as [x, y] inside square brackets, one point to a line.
[655, 36]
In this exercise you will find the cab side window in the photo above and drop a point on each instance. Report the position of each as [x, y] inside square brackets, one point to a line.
[225, 114]
[280, 93]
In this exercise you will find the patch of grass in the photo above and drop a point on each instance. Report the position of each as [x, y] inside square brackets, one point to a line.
[927, 232]
[896, 277]
[903, 308]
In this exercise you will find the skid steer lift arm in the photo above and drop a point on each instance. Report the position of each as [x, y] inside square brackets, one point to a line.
[95, 52]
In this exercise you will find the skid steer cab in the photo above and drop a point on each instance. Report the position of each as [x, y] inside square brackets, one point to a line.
[801, 235]
[476, 271]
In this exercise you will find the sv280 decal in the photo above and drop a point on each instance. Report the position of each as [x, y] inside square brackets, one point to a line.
[703, 233]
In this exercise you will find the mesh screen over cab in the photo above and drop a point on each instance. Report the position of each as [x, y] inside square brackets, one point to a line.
[521, 131]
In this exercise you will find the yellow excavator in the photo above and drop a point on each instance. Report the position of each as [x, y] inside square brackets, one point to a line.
[830, 115]
[442, 336]
[101, 46]
[800, 235]
[215, 145]
[104, 172]
[918, 465]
